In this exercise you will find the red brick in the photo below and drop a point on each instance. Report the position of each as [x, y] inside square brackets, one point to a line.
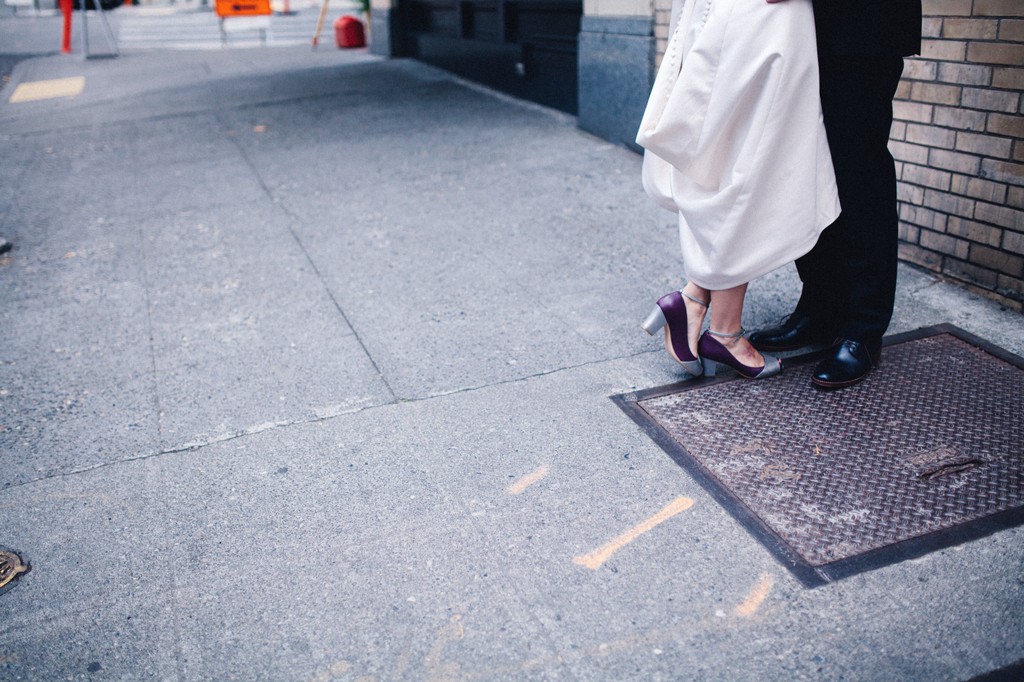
[943, 243]
[1011, 30]
[973, 231]
[925, 177]
[985, 190]
[923, 217]
[941, 8]
[965, 74]
[986, 145]
[931, 27]
[948, 50]
[984, 29]
[1002, 124]
[909, 233]
[998, 260]
[1003, 216]
[1003, 171]
[1015, 196]
[949, 203]
[921, 257]
[998, 8]
[908, 193]
[1011, 285]
[1011, 290]
[904, 89]
[908, 152]
[996, 53]
[931, 136]
[971, 273]
[954, 161]
[912, 111]
[920, 69]
[1018, 150]
[991, 100]
[1011, 79]
[898, 131]
[1014, 242]
[935, 93]
[962, 119]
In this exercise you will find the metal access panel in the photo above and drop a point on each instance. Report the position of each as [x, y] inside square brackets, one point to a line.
[526, 48]
[926, 452]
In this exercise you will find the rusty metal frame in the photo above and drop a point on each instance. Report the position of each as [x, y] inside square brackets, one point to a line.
[810, 575]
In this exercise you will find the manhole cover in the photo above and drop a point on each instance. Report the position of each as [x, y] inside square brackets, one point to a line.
[927, 452]
[10, 567]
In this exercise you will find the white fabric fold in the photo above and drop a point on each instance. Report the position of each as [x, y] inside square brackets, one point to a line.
[734, 138]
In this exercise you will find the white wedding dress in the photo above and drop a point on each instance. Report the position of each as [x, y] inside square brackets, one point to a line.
[734, 139]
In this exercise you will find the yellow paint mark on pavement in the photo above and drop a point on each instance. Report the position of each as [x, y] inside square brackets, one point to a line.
[594, 560]
[529, 479]
[340, 668]
[49, 89]
[437, 669]
[757, 595]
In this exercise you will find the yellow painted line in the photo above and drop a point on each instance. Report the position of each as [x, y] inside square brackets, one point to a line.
[50, 89]
[594, 560]
[757, 595]
[529, 479]
[340, 668]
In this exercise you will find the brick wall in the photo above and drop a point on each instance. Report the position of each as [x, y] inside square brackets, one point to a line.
[958, 140]
[662, 17]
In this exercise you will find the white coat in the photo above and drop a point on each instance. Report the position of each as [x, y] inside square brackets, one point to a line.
[734, 138]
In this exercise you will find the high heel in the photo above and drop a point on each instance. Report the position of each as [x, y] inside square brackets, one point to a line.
[715, 353]
[670, 313]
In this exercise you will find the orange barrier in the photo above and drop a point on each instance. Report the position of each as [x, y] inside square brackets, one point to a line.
[242, 8]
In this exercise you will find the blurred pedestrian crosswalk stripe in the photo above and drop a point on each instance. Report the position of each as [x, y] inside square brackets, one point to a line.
[48, 89]
[201, 30]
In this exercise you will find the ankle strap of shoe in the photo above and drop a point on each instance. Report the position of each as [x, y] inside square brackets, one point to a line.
[720, 335]
[695, 300]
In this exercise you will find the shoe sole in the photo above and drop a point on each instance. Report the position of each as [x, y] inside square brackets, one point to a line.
[835, 385]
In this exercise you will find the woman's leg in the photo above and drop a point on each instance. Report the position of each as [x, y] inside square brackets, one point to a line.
[726, 318]
[695, 312]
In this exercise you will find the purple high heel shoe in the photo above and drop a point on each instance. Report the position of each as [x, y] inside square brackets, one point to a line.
[715, 353]
[670, 313]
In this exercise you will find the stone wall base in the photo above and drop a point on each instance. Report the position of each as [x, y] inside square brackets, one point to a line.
[616, 71]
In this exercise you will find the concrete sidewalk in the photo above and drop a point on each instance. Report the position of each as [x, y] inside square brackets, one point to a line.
[305, 365]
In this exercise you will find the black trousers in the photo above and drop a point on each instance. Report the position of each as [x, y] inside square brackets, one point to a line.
[849, 278]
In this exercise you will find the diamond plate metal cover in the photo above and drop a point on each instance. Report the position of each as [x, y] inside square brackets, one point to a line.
[927, 452]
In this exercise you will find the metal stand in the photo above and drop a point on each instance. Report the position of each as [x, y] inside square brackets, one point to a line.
[260, 23]
[106, 29]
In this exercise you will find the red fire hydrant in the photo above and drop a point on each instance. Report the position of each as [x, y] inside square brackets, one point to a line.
[348, 31]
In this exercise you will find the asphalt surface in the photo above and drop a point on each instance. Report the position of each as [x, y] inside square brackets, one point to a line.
[305, 366]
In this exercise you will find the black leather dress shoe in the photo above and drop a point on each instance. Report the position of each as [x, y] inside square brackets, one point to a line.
[797, 331]
[846, 364]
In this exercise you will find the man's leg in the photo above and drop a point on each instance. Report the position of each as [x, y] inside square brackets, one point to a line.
[856, 98]
[860, 249]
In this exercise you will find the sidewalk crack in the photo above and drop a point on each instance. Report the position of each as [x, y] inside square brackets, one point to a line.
[324, 414]
[293, 218]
